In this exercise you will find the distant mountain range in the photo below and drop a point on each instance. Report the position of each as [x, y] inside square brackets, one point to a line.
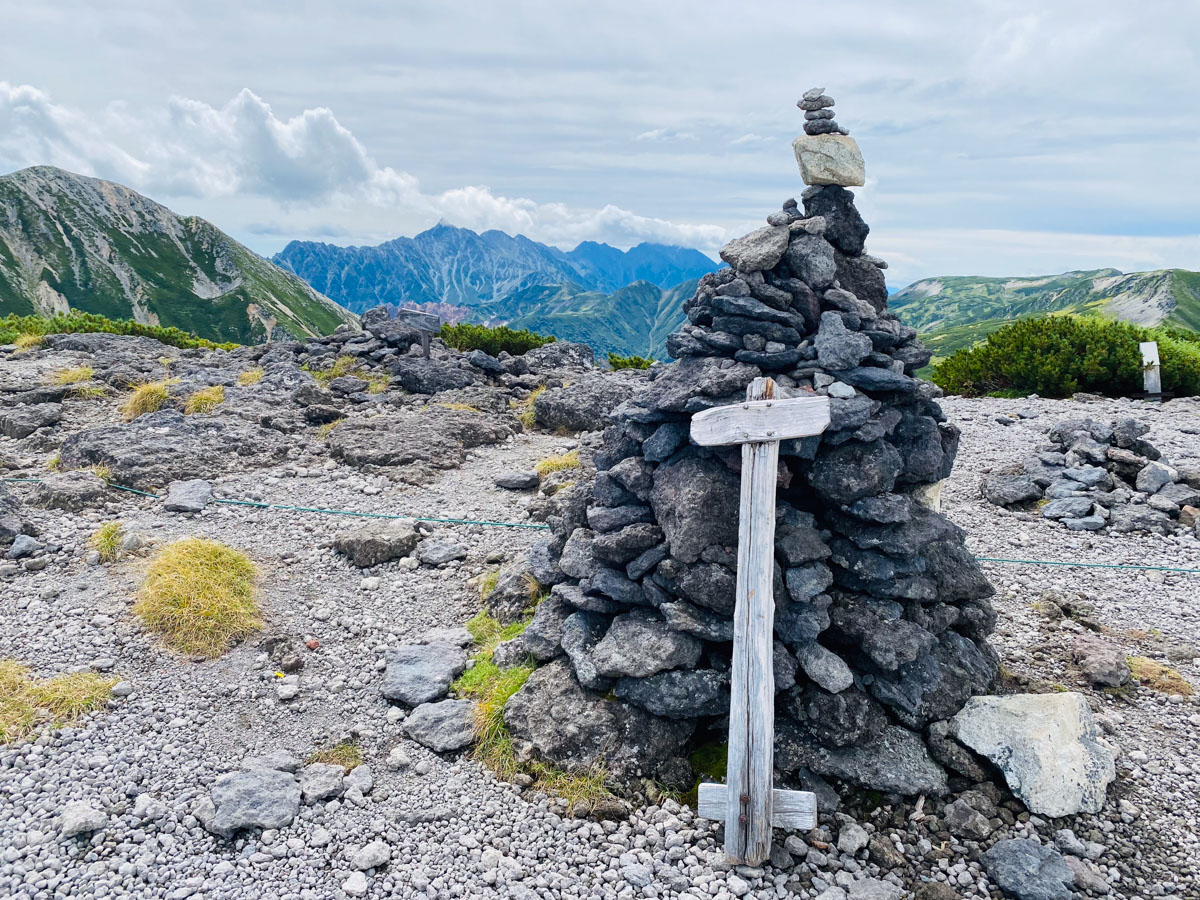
[955, 312]
[72, 242]
[457, 266]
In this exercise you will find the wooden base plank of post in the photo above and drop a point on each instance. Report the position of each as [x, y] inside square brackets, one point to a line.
[747, 802]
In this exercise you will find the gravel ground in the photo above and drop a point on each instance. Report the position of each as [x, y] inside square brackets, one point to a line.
[452, 829]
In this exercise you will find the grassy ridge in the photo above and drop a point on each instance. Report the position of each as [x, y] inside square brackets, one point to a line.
[14, 327]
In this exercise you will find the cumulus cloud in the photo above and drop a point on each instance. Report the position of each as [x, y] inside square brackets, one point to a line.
[665, 136]
[240, 149]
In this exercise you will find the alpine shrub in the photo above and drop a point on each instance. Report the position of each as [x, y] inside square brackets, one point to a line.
[466, 336]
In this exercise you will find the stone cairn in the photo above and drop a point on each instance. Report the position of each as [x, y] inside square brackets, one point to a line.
[881, 612]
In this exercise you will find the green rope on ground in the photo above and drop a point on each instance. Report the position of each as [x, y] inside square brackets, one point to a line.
[1086, 565]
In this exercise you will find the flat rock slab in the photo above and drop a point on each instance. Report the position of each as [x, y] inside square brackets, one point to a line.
[1046, 745]
[188, 496]
[379, 542]
[435, 551]
[518, 481]
[419, 673]
[262, 798]
[23, 421]
[830, 159]
[444, 726]
[898, 761]
[70, 491]
[321, 781]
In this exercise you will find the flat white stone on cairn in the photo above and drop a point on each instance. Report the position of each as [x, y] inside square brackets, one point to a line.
[826, 152]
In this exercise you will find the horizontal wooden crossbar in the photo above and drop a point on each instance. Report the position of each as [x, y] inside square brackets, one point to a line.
[790, 809]
[759, 421]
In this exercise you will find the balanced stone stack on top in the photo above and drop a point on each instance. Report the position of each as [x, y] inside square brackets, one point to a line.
[881, 613]
[826, 152]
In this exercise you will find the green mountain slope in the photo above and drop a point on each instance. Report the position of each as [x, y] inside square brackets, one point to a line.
[71, 242]
[633, 320]
[955, 312]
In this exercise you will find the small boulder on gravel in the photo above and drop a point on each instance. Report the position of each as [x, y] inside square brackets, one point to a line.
[79, 818]
[435, 551]
[262, 798]
[321, 781]
[1028, 870]
[376, 543]
[372, 856]
[517, 481]
[419, 673]
[69, 491]
[188, 496]
[444, 726]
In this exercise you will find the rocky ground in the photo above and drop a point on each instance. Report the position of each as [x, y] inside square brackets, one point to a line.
[424, 824]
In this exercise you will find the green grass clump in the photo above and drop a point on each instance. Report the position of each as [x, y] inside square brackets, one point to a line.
[488, 583]
[106, 540]
[27, 331]
[72, 376]
[1158, 677]
[487, 632]
[564, 462]
[493, 341]
[1055, 356]
[378, 383]
[629, 362]
[343, 365]
[525, 412]
[251, 376]
[54, 462]
[326, 430]
[26, 704]
[205, 400]
[346, 754]
[86, 391]
[199, 595]
[460, 407]
[146, 398]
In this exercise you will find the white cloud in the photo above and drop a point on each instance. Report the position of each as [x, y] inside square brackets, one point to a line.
[665, 136]
[194, 150]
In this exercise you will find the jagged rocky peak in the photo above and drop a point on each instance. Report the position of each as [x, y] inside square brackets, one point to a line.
[882, 615]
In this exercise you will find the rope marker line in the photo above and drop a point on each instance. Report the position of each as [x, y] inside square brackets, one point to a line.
[1087, 565]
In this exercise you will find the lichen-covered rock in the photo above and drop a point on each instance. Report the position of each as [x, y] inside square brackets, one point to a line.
[552, 718]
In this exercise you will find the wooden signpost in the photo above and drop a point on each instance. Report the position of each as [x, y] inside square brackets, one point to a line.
[426, 323]
[748, 802]
[1151, 369]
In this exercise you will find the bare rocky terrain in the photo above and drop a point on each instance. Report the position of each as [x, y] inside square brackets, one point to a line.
[417, 823]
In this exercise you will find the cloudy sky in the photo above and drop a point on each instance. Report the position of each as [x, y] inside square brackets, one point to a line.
[1001, 136]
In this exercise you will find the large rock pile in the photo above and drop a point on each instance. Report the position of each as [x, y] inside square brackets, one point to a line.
[1100, 475]
[881, 613]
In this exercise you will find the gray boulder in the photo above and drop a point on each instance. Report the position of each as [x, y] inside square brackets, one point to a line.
[1101, 663]
[321, 781]
[583, 405]
[80, 817]
[1154, 476]
[22, 421]
[188, 496]
[838, 347]
[418, 673]
[435, 551]
[1008, 490]
[639, 647]
[376, 543]
[543, 636]
[696, 505]
[433, 376]
[560, 355]
[678, 694]
[69, 491]
[897, 761]
[810, 257]
[758, 250]
[444, 726]
[518, 481]
[555, 720]
[262, 798]
[1028, 870]
[855, 470]
[22, 546]
[1135, 517]
[824, 667]
[961, 819]
[1067, 508]
[1046, 746]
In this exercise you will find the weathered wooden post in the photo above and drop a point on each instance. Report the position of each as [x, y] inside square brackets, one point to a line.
[1151, 369]
[426, 323]
[748, 802]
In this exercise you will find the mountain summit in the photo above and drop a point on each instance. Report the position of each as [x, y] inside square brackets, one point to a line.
[458, 266]
[72, 242]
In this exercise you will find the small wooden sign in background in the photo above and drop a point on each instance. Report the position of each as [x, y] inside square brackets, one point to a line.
[748, 801]
[426, 323]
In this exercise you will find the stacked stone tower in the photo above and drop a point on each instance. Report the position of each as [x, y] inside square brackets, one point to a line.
[881, 613]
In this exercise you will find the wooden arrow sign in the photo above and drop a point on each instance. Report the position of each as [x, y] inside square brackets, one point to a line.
[747, 801]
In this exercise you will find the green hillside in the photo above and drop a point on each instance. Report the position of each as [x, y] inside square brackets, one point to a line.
[73, 243]
[634, 320]
[955, 312]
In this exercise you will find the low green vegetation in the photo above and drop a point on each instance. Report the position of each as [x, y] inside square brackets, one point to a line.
[347, 754]
[72, 376]
[1055, 356]
[146, 398]
[564, 462]
[28, 331]
[205, 400]
[1158, 677]
[629, 362]
[524, 410]
[251, 376]
[326, 430]
[27, 703]
[492, 340]
[106, 540]
[199, 596]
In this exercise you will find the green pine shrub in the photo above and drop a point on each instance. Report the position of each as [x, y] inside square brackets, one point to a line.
[27, 328]
[467, 336]
[1055, 356]
[629, 362]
